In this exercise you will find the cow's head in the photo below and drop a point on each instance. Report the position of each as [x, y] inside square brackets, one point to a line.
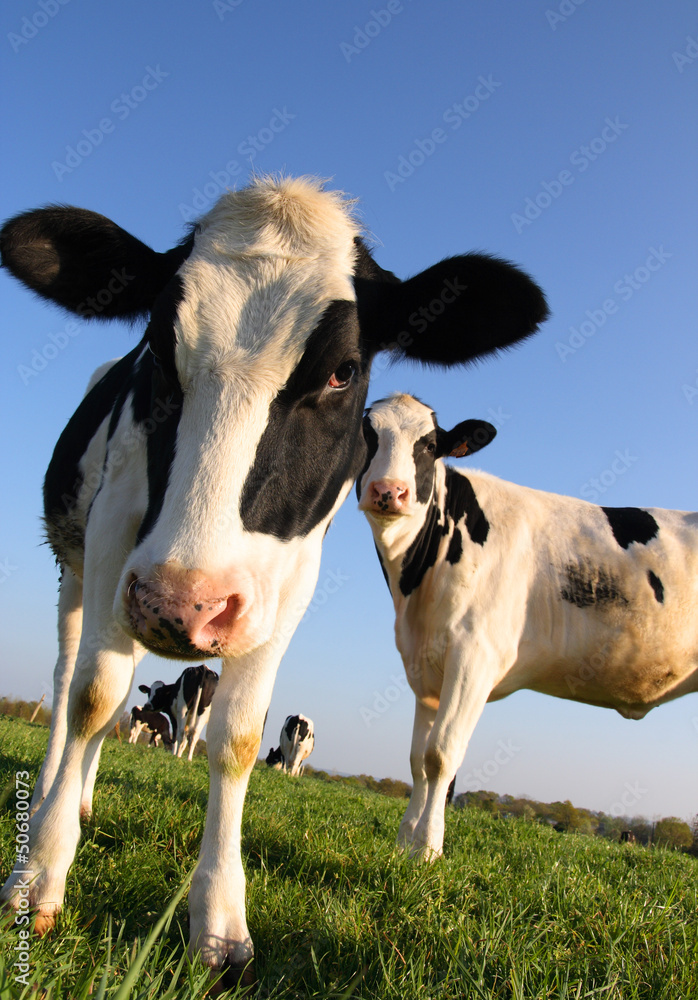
[404, 442]
[159, 696]
[249, 389]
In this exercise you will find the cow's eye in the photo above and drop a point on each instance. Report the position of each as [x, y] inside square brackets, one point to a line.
[343, 376]
[431, 448]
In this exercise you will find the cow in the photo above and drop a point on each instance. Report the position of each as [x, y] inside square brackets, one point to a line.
[188, 496]
[296, 742]
[627, 837]
[498, 587]
[154, 723]
[275, 759]
[187, 704]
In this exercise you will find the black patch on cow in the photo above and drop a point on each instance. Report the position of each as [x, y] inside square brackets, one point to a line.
[312, 444]
[455, 547]
[371, 441]
[424, 455]
[461, 501]
[657, 586]
[588, 585]
[64, 480]
[423, 552]
[295, 722]
[157, 401]
[631, 524]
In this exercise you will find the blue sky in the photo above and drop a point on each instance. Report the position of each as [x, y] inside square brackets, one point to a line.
[559, 135]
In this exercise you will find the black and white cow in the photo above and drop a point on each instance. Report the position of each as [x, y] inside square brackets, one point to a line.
[188, 497]
[275, 759]
[154, 723]
[296, 742]
[497, 587]
[187, 704]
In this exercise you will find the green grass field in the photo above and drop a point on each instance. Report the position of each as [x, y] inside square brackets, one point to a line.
[514, 910]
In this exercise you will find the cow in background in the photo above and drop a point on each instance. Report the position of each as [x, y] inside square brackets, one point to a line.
[188, 497]
[498, 587]
[275, 759]
[296, 742]
[154, 723]
[187, 703]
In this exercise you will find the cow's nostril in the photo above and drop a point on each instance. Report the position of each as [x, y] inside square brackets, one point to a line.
[227, 616]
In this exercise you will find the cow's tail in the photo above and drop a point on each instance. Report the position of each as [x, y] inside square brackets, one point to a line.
[192, 715]
[295, 767]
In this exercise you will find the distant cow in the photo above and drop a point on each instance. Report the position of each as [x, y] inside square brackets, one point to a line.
[627, 837]
[297, 742]
[187, 703]
[498, 587]
[154, 723]
[275, 759]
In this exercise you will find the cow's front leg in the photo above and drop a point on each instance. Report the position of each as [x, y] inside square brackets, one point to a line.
[218, 927]
[423, 722]
[98, 693]
[467, 685]
[69, 629]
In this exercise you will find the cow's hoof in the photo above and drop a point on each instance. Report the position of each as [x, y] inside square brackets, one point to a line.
[235, 975]
[45, 922]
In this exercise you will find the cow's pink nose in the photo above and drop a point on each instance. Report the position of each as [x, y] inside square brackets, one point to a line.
[183, 612]
[388, 496]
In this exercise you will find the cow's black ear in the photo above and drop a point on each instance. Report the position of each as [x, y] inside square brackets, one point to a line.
[86, 263]
[458, 310]
[144, 688]
[464, 439]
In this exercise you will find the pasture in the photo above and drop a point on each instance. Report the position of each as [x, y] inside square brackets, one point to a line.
[512, 911]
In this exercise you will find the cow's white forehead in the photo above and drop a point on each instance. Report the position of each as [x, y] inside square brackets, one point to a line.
[267, 261]
[402, 414]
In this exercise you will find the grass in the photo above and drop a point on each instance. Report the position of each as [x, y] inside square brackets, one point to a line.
[513, 911]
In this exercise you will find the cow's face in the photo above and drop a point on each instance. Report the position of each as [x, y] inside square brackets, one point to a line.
[404, 442]
[157, 702]
[243, 433]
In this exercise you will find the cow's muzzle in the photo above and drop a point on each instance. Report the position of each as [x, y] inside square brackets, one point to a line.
[386, 497]
[183, 613]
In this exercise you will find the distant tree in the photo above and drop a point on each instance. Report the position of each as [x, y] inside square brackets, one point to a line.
[673, 832]
[694, 833]
[642, 830]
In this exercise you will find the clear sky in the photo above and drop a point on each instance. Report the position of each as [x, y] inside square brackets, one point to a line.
[559, 135]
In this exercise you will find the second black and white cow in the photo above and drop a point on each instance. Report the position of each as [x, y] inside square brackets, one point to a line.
[188, 496]
[497, 587]
[153, 723]
[275, 759]
[187, 704]
[296, 742]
